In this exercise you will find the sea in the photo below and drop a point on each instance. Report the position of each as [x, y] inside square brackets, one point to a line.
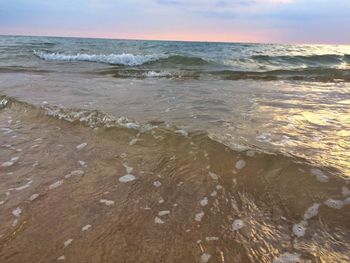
[166, 151]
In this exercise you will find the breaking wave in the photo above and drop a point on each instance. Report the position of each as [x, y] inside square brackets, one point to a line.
[113, 59]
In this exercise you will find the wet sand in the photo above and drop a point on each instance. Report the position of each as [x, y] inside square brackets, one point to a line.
[74, 193]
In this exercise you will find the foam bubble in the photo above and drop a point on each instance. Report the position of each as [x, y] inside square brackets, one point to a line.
[237, 224]
[133, 141]
[10, 163]
[6, 131]
[214, 193]
[81, 146]
[86, 227]
[332, 203]
[320, 176]
[205, 258]
[311, 211]
[198, 217]
[157, 220]
[204, 201]
[157, 184]
[264, 137]
[15, 222]
[55, 184]
[128, 168]
[213, 176]
[75, 173]
[33, 197]
[107, 202]
[163, 213]
[127, 178]
[211, 239]
[299, 229]
[67, 242]
[250, 153]
[61, 258]
[27, 185]
[17, 212]
[183, 132]
[154, 74]
[287, 258]
[240, 164]
[82, 163]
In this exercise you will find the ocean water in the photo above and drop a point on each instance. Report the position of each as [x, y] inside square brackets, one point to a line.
[156, 151]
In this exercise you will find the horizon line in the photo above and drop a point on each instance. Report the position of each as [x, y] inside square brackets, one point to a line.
[174, 40]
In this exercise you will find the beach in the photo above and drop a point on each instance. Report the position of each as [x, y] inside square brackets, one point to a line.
[151, 151]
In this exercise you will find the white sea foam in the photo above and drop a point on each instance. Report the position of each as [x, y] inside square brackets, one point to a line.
[127, 178]
[250, 153]
[33, 197]
[183, 132]
[213, 176]
[128, 168]
[74, 173]
[264, 137]
[23, 186]
[15, 222]
[157, 220]
[81, 146]
[157, 184]
[320, 176]
[163, 213]
[287, 258]
[56, 184]
[219, 187]
[85, 228]
[204, 201]
[214, 193]
[205, 258]
[240, 164]
[107, 202]
[61, 258]
[211, 239]
[332, 203]
[116, 59]
[299, 229]
[237, 224]
[82, 163]
[17, 212]
[198, 217]
[133, 141]
[67, 242]
[311, 211]
[154, 74]
[11, 162]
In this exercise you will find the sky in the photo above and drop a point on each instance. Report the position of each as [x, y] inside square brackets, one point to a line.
[268, 21]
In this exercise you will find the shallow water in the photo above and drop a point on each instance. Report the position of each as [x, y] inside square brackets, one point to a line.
[96, 167]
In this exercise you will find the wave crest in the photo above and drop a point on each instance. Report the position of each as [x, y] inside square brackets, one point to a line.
[114, 59]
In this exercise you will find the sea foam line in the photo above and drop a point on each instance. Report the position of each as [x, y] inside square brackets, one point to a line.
[115, 59]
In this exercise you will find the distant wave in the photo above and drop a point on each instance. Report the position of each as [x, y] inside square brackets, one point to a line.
[114, 59]
[312, 60]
